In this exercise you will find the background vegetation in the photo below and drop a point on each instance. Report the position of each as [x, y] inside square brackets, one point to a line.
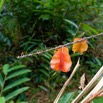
[27, 26]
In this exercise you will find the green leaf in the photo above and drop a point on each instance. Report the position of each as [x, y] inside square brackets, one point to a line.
[2, 100]
[43, 88]
[98, 100]
[45, 66]
[6, 68]
[22, 102]
[75, 54]
[91, 45]
[44, 17]
[15, 93]
[88, 28]
[44, 72]
[67, 98]
[1, 80]
[47, 62]
[16, 83]
[1, 4]
[72, 32]
[98, 62]
[11, 102]
[16, 67]
[15, 74]
[47, 56]
[70, 22]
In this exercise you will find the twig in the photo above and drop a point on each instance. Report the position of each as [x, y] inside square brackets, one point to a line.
[89, 86]
[66, 83]
[93, 92]
[31, 99]
[98, 94]
[47, 50]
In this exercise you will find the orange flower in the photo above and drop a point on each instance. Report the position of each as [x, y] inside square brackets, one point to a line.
[61, 60]
[80, 46]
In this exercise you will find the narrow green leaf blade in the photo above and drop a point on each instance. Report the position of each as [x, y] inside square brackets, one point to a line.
[44, 72]
[98, 100]
[98, 62]
[15, 93]
[70, 22]
[16, 83]
[16, 67]
[71, 32]
[11, 102]
[6, 68]
[67, 98]
[15, 74]
[43, 88]
[2, 100]
[1, 80]
[1, 4]
[88, 28]
[22, 102]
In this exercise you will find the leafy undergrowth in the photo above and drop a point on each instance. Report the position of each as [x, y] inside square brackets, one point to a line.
[36, 95]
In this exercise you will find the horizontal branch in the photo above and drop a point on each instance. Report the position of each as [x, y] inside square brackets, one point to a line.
[47, 50]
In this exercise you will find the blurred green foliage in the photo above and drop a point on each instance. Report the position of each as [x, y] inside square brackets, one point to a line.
[11, 79]
[42, 22]
[31, 25]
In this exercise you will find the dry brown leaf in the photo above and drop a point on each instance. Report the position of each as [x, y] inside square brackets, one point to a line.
[80, 46]
[82, 82]
[61, 60]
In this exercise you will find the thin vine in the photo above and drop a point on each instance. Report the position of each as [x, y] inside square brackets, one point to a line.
[47, 50]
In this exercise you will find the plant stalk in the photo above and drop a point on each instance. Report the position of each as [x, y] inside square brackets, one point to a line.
[89, 86]
[67, 82]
